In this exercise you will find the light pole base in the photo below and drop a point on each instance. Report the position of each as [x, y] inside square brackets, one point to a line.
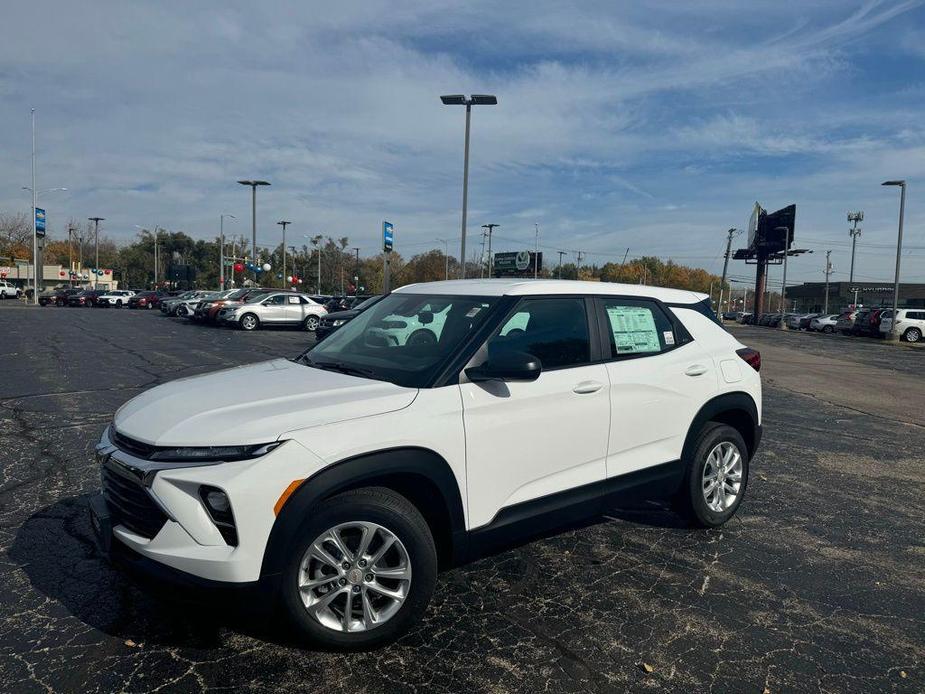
[892, 336]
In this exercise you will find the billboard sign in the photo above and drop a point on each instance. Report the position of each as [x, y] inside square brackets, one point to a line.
[516, 263]
[39, 221]
[387, 236]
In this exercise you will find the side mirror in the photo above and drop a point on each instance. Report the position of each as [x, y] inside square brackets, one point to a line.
[508, 366]
[426, 317]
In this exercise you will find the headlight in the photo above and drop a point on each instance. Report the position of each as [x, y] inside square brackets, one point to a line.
[338, 323]
[214, 453]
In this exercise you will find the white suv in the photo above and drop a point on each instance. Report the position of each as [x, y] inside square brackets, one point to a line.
[8, 291]
[910, 323]
[349, 475]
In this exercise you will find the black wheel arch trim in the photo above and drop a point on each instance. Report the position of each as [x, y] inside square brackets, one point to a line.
[737, 401]
[368, 468]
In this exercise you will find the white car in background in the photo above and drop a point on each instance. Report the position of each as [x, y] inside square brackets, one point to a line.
[910, 321]
[8, 291]
[824, 324]
[117, 298]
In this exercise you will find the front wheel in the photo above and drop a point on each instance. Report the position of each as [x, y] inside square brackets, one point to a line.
[362, 571]
[913, 335]
[715, 477]
[311, 323]
[828, 329]
[249, 322]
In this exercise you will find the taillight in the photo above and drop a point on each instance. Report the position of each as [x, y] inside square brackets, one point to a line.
[751, 356]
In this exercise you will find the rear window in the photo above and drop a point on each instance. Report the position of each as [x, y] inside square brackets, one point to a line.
[702, 307]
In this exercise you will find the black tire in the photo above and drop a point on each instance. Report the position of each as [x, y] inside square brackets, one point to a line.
[690, 501]
[118, 303]
[828, 329]
[249, 321]
[310, 324]
[390, 510]
[913, 335]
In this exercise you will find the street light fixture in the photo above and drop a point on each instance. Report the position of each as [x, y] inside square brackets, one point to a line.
[894, 334]
[253, 185]
[462, 100]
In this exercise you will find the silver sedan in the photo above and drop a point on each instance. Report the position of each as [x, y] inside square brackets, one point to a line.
[278, 308]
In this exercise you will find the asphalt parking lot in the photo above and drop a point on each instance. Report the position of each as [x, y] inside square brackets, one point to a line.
[818, 584]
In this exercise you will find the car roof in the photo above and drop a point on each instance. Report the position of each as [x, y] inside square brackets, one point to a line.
[527, 287]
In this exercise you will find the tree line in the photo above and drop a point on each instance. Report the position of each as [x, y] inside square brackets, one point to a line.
[340, 270]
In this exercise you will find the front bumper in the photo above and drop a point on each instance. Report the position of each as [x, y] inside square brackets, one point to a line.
[188, 540]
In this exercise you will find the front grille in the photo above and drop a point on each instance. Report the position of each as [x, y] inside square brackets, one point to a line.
[133, 446]
[129, 503]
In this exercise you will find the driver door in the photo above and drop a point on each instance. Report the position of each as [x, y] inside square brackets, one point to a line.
[526, 440]
[274, 310]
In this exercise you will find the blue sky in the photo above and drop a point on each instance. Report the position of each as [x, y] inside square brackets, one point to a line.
[652, 126]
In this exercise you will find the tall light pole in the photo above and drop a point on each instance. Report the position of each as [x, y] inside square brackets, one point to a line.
[284, 224]
[536, 248]
[253, 185]
[828, 271]
[490, 228]
[96, 233]
[561, 253]
[356, 273]
[855, 232]
[316, 242]
[35, 237]
[446, 257]
[732, 233]
[221, 249]
[462, 100]
[70, 254]
[894, 333]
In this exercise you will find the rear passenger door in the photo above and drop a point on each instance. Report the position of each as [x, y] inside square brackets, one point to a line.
[658, 380]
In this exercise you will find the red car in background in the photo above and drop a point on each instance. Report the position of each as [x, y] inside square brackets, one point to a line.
[145, 300]
[87, 297]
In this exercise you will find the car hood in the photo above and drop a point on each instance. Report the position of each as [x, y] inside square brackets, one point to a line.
[253, 404]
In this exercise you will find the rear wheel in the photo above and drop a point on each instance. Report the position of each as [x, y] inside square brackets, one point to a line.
[828, 329]
[715, 477]
[362, 570]
[913, 335]
[249, 322]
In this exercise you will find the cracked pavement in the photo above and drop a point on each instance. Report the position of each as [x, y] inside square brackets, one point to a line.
[818, 584]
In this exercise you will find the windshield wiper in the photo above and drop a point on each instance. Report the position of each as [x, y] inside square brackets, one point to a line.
[340, 367]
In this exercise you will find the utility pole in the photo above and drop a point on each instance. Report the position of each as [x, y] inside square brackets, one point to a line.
[221, 251]
[578, 269]
[536, 250]
[490, 228]
[96, 233]
[894, 330]
[733, 232]
[356, 273]
[284, 224]
[854, 217]
[828, 271]
[482, 256]
[70, 253]
[561, 253]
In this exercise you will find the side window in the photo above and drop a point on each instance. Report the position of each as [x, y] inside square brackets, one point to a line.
[638, 326]
[277, 300]
[554, 330]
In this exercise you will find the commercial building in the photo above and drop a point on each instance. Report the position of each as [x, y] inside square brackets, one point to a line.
[20, 274]
[811, 295]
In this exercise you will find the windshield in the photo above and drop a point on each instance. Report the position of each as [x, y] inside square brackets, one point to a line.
[403, 339]
[363, 305]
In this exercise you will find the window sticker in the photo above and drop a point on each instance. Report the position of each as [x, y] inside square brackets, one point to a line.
[473, 312]
[293, 299]
[634, 330]
[669, 337]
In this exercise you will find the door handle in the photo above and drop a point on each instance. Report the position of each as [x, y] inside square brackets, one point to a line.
[696, 370]
[586, 387]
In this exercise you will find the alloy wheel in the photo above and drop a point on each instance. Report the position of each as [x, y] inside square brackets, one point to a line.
[722, 477]
[249, 322]
[354, 577]
[311, 323]
[913, 335]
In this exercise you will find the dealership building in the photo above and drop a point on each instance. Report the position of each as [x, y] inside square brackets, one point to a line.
[20, 274]
[811, 295]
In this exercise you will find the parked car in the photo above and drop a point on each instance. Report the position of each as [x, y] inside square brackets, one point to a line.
[357, 471]
[729, 315]
[824, 323]
[276, 308]
[8, 290]
[169, 304]
[910, 323]
[57, 297]
[185, 307]
[800, 321]
[867, 323]
[845, 322]
[146, 300]
[333, 321]
[116, 297]
[742, 317]
[208, 311]
[774, 320]
[87, 297]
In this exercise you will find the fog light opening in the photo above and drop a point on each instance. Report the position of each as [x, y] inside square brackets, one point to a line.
[218, 507]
